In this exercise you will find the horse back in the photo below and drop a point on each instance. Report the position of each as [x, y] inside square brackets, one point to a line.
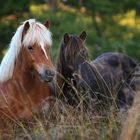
[117, 64]
[116, 69]
[115, 59]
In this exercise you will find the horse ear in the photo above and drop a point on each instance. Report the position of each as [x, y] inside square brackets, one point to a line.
[25, 29]
[47, 24]
[83, 35]
[66, 38]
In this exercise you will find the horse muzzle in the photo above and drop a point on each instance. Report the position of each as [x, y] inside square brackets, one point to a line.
[47, 75]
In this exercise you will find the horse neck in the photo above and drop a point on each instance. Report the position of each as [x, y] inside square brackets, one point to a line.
[91, 75]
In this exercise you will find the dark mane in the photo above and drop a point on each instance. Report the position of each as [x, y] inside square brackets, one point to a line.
[74, 45]
[68, 53]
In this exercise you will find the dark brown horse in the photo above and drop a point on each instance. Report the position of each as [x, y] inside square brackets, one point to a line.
[25, 72]
[102, 79]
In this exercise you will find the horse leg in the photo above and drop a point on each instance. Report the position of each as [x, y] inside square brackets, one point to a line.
[125, 96]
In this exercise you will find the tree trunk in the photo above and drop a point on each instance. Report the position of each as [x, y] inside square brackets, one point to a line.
[53, 4]
[96, 25]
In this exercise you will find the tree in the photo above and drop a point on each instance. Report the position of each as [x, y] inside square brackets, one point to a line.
[53, 4]
[102, 11]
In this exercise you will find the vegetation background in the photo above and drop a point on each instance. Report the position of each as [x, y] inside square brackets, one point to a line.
[111, 25]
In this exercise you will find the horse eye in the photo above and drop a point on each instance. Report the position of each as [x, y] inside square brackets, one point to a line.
[30, 48]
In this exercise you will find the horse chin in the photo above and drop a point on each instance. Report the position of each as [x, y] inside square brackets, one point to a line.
[46, 78]
[46, 75]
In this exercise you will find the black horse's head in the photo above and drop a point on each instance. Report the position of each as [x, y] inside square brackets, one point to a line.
[72, 52]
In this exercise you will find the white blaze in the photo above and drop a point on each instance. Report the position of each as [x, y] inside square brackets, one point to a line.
[43, 48]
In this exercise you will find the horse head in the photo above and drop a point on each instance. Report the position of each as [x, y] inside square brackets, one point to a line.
[36, 42]
[73, 52]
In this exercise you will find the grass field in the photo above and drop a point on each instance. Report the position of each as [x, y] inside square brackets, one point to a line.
[64, 122]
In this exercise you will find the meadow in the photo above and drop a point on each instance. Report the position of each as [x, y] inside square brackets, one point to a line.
[63, 121]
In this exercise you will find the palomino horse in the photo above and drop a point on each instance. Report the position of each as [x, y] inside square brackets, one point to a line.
[104, 78]
[25, 72]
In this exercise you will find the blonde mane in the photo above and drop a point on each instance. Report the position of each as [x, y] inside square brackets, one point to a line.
[37, 33]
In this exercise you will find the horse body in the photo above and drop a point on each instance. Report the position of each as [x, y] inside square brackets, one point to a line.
[19, 96]
[117, 67]
[102, 78]
[109, 74]
[25, 72]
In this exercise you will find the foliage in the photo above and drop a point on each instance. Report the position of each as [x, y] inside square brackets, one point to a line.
[16, 6]
[111, 28]
[107, 7]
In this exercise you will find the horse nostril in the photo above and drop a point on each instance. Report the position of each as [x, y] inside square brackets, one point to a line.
[52, 73]
[49, 73]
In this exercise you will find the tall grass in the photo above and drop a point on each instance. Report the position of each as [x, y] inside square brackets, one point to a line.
[130, 129]
[64, 122]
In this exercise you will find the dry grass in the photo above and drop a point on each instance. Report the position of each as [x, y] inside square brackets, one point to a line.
[131, 125]
[64, 122]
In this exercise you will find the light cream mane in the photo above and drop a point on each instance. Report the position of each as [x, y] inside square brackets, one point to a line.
[37, 33]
